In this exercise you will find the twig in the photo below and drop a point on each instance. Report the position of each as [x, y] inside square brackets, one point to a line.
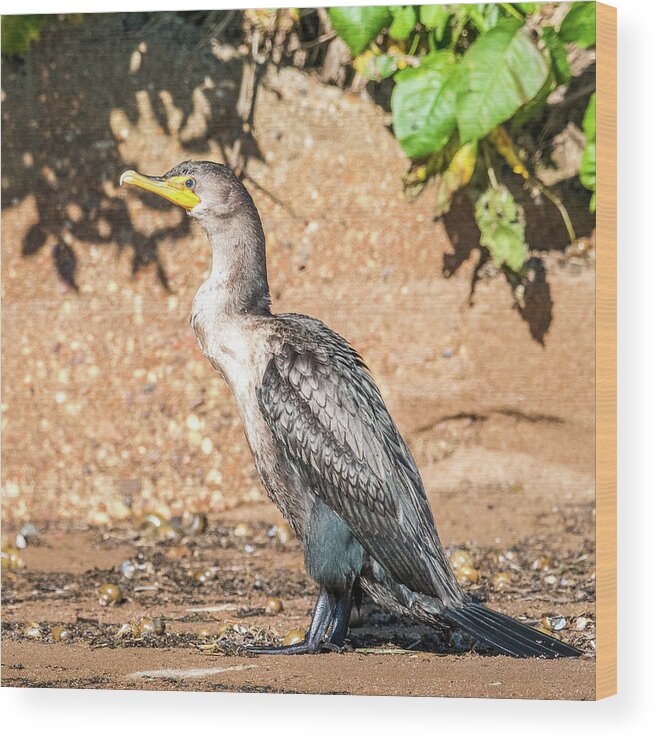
[559, 205]
[318, 41]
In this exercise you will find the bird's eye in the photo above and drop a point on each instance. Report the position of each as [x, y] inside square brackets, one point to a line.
[190, 183]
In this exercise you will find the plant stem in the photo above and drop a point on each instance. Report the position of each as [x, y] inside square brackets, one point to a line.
[512, 11]
[488, 166]
[415, 44]
[559, 205]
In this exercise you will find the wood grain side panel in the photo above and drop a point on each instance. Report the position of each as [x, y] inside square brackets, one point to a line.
[606, 352]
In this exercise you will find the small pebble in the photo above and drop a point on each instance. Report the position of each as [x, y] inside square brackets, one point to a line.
[543, 564]
[99, 518]
[466, 575]
[500, 581]
[198, 523]
[152, 520]
[243, 530]
[293, 637]
[460, 558]
[33, 631]
[146, 626]
[284, 533]
[29, 531]
[155, 626]
[225, 628]
[11, 558]
[581, 624]
[128, 568]
[555, 623]
[60, 634]
[119, 511]
[109, 593]
[128, 629]
[177, 552]
[167, 532]
[273, 605]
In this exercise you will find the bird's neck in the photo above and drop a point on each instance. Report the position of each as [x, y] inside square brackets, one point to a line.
[238, 278]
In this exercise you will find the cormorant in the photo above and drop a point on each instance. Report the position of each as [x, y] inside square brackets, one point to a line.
[324, 444]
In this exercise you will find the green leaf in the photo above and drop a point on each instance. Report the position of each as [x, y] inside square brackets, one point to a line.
[526, 8]
[385, 66]
[405, 19]
[534, 108]
[19, 31]
[435, 18]
[457, 175]
[358, 27]
[503, 70]
[483, 15]
[580, 25]
[501, 222]
[590, 119]
[588, 174]
[375, 66]
[558, 54]
[424, 104]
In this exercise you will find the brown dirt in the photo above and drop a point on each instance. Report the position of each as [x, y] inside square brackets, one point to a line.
[59, 587]
[390, 675]
[106, 399]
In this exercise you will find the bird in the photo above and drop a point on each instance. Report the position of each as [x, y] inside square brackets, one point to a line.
[324, 444]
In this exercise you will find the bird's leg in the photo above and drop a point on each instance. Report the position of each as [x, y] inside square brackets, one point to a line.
[340, 622]
[322, 617]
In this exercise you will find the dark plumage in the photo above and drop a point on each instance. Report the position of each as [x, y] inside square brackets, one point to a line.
[325, 446]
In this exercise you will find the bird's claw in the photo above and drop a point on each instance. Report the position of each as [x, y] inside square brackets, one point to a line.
[300, 648]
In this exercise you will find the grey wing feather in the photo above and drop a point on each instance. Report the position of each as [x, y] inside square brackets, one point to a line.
[332, 424]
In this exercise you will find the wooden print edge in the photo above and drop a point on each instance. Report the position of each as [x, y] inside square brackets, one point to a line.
[606, 354]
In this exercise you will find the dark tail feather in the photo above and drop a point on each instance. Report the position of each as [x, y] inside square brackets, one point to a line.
[505, 634]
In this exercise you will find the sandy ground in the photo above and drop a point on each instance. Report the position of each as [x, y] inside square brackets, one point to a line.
[109, 410]
[206, 624]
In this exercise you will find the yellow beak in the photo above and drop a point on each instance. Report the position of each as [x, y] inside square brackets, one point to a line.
[173, 189]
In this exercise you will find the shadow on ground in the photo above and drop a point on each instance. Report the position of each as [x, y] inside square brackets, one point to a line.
[65, 120]
[63, 123]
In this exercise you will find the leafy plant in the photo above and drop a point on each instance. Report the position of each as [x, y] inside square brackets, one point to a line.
[467, 79]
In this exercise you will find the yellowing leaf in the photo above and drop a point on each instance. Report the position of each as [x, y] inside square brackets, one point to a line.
[503, 144]
[457, 175]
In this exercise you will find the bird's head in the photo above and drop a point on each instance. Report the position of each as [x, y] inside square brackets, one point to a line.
[208, 191]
